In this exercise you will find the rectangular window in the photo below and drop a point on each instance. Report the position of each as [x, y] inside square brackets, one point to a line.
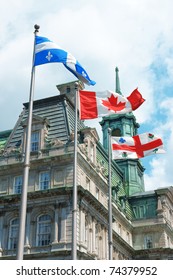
[148, 243]
[150, 210]
[3, 185]
[13, 234]
[133, 173]
[135, 212]
[44, 180]
[35, 139]
[18, 181]
[43, 230]
[142, 211]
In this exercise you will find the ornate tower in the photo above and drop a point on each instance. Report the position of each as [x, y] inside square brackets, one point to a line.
[124, 125]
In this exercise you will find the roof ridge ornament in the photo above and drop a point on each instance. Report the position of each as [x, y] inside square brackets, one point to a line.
[117, 81]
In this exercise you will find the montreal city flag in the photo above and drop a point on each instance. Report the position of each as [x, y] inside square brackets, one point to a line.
[138, 146]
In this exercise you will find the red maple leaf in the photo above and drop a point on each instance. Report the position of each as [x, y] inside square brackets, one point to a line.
[112, 103]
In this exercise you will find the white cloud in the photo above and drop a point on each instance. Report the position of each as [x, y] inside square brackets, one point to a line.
[160, 173]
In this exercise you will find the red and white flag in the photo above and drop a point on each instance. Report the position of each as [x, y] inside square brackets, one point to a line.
[98, 104]
[137, 146]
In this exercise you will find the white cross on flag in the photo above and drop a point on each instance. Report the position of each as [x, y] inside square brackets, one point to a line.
[137, 146]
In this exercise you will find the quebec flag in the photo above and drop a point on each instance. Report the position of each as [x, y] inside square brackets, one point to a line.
[48, 52]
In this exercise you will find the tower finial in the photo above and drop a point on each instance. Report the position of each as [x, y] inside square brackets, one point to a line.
[117, 83]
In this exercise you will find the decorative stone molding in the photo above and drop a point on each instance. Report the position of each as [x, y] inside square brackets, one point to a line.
[83, 148]
[13, 150]
[159, 208]
[55, 142]
[71, 137]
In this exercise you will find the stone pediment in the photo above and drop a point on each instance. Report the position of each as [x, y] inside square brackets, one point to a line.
[91, 132]
[35, 120]
[167, 192]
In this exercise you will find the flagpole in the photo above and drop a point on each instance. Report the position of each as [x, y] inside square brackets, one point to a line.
[23, 206]
[74, 211]
[110, 195]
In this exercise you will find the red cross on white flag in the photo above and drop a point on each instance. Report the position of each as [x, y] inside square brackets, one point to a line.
[137, 146]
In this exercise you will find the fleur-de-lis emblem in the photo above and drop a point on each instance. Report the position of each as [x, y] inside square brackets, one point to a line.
[84, 74]
[49, 56]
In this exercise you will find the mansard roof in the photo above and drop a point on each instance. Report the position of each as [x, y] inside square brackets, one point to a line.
[58, 111]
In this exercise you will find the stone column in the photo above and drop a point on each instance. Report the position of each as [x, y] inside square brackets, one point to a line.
[55, 226]
[90, 237]
[82, 226]
[93, 236]
[104, 243]
[63, 224]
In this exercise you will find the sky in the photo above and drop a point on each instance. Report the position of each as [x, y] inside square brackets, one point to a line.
[134, 35]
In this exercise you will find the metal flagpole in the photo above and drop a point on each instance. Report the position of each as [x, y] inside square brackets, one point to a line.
[110, 195]
[74, 211]
[23, 206]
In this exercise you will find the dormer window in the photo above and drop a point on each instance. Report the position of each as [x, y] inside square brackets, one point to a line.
[39, 133]
[35, 141]
[91, 138]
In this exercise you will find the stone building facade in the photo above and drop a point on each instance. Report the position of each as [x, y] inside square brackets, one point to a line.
[142, 221]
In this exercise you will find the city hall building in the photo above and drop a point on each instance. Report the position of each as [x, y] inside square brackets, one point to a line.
[142, 222]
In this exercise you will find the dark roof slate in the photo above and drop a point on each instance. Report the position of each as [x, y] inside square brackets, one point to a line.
[58, 110]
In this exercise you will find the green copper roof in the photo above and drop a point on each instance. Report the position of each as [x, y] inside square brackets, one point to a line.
[4, 137]
[117, 85]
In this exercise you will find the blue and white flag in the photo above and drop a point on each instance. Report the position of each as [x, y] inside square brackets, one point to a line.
[47, 51]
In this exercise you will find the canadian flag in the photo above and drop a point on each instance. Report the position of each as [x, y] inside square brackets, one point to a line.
[98, 104]
[137, 146]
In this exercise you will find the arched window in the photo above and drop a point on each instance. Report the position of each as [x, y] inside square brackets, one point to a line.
[13, 234]
[116, 132]
[43, 230]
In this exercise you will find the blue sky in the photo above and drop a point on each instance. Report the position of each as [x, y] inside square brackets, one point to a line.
[135, 35]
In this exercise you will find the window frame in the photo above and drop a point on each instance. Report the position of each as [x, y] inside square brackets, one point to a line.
[13, 234]
[17, 188]
[43, 181]
[44, 229]
[148, 239]
[35, 143]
